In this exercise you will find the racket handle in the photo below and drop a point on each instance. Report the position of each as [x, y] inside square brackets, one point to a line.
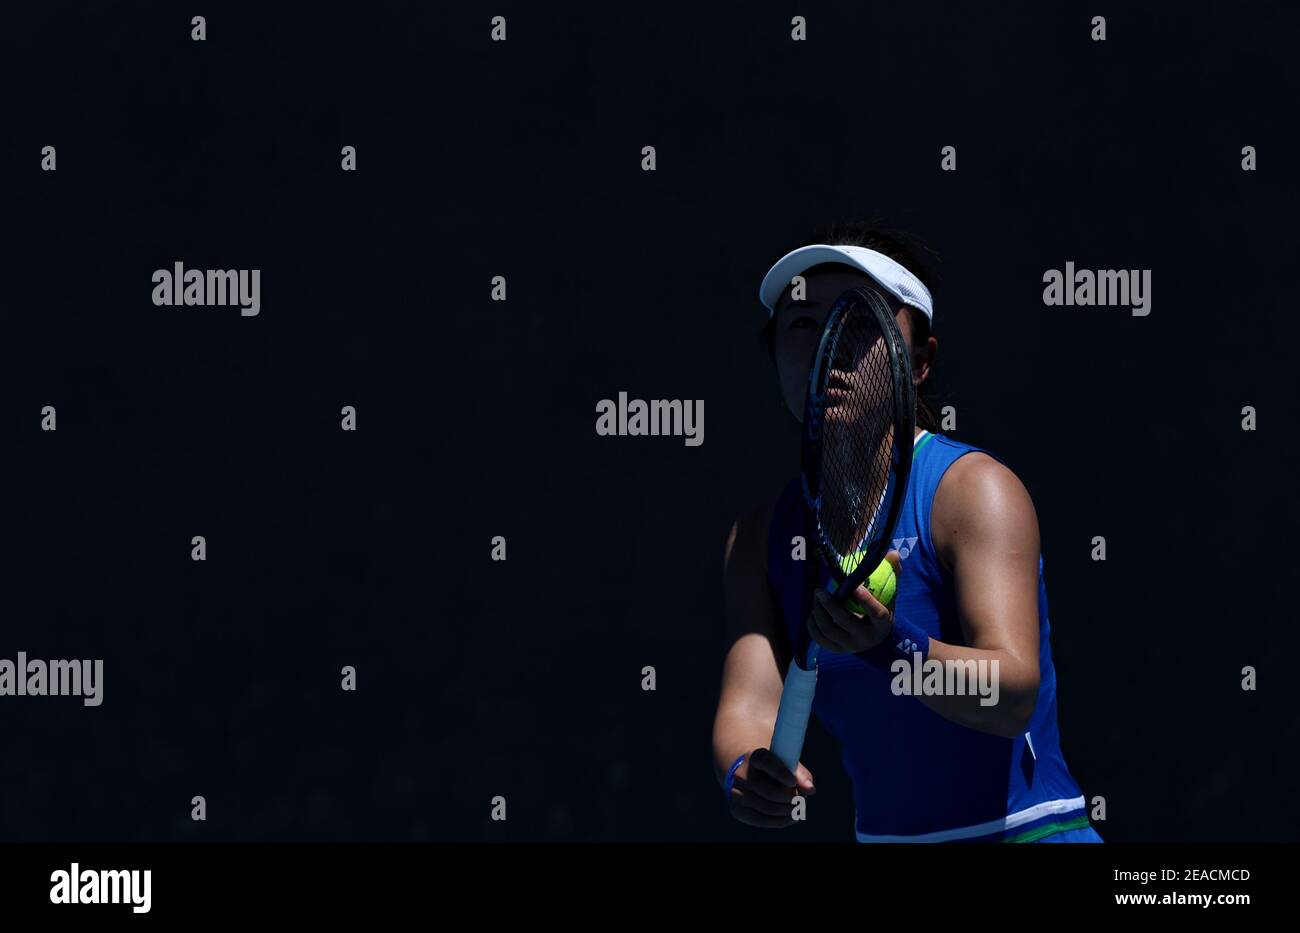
[792, 716]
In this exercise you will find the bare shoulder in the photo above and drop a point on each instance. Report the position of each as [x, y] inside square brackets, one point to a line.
[976, 478]
[980, 502]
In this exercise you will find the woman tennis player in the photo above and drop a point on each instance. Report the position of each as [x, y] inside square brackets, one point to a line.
[945, 767]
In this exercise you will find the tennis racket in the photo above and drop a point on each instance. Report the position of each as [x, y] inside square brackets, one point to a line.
[858, 427]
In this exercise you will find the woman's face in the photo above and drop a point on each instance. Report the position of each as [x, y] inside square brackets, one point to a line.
[798, 326]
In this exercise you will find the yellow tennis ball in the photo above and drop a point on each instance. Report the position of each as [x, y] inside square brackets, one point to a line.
[882, 583]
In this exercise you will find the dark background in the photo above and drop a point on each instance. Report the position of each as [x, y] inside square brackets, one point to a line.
[477, 418]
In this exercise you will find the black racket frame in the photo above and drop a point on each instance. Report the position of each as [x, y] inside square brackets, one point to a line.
[900, 358]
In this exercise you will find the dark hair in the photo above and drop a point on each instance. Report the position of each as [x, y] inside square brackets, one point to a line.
[906, 250]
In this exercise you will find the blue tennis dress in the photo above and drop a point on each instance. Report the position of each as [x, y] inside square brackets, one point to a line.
[918, 777]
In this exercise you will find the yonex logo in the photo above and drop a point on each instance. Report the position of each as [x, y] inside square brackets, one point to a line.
[904, 546]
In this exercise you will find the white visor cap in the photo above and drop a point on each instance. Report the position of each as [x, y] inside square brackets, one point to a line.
[887, 273]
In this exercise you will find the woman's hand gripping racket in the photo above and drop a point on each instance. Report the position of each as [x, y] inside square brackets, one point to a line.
[858, 427]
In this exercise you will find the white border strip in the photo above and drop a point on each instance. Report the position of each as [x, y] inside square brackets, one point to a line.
[1010, 821]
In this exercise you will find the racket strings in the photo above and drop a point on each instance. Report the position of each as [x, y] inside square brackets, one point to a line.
[858, 421]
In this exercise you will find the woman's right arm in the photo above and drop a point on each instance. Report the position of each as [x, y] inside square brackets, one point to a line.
[751, 683]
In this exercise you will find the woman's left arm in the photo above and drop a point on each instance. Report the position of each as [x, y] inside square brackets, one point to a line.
[985, 532]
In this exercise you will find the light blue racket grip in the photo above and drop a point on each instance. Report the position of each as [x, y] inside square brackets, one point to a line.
[792, 716]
